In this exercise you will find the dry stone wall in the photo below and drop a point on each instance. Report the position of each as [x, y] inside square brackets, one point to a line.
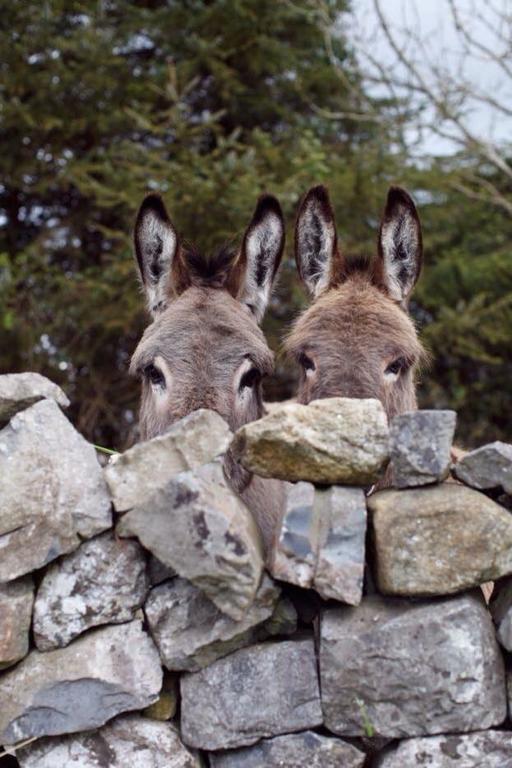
[142, 625]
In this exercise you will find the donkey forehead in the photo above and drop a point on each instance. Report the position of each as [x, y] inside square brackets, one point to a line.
[358, 316]
[200, 325]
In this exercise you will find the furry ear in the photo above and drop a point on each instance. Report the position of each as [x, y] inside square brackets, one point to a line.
[260, 256]
[400, 245]
[156, 249]
[316, 251]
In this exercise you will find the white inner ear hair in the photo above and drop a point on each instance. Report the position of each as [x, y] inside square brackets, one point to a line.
[400, 245]
[158, 243]
[316, 245]
[262, 248]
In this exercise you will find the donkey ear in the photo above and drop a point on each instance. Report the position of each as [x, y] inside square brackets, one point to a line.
[156, 247]
[262, 248]
[316, 241]
[400, 245]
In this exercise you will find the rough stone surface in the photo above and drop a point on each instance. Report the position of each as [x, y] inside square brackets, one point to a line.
[411, 669]
[439, 540]
[501, 609]
[420, 444]
[103, 582]
[134, 476]
[190, 631]
[254, 693]
[486, 749]
[127, 742]
[487, 467]
[105, 672]
[52, 493]
[296, 750]
[21, 390]
[199, 527]
[321, 541]
[333, 441]
[16, 599]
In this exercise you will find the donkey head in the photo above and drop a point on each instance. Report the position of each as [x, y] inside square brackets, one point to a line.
[204, 348]
[357, 339]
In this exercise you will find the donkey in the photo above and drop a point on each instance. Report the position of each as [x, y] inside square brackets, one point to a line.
[357, 338]
[204, 348]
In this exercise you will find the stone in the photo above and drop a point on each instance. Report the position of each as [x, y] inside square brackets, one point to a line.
[333, 441]
[399, 669]
[135, 475]
[420, 445]
[53, 492]
[487, 467]
[255, 693]
[102, 674]
[21, 390]
[189, 630]
[295, 750]
[202, 529]
[484, 749]
[282, 622]
[129, 741]
[16, 599]
[159, 572]
[501, 610]
[167, 704]
[104, 581]
[438, 540]
[321, 541]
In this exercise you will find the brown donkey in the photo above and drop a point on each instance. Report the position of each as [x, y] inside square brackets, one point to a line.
[204, 348]
[357, 338]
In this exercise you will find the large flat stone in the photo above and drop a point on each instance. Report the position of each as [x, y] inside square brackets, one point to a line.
[420, 444]
[320, 542]
[105, 672]
[501, 610]
[201, 528]
[439, 540]
[16, 599]
[486, 749]
[134, 476]
[254, 693]
[333, 441]
[103, 582]
[53, 492]
[399, 669]
[296, 750]
[487, 467]
[21, 390]
[190, 631]
[127, 742]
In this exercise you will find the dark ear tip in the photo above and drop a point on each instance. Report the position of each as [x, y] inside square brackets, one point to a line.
[153, 203]
[267, 204]
[318, 196]
[399, 196]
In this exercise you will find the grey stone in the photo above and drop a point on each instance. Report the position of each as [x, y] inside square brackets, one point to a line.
[333, 441]
[399, 669]
[21, 390]
[321, 541]
[53, 491]
[254, 693]
[127, 742]
[103, 582]
[420, 444]
[487, 467]
[105, 672]
[190, 631]
[438, 540]
[134, 476]
[296, 750]
[202, 529]
[501, 610]
[16, 599]
[485, 749]
[159, 572]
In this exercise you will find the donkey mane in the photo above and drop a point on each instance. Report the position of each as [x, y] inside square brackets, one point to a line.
[362, 265]
[209, 270]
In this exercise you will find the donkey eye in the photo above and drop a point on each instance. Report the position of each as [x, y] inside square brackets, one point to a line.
[306, 362]
[397, 366]
[154, 375]
[251, 378]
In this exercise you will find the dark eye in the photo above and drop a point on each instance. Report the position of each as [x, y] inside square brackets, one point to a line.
[306, 362]
[154, 375]
[251, 378]
[397, 366]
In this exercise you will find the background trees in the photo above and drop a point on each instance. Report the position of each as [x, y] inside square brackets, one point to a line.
[212, 103]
